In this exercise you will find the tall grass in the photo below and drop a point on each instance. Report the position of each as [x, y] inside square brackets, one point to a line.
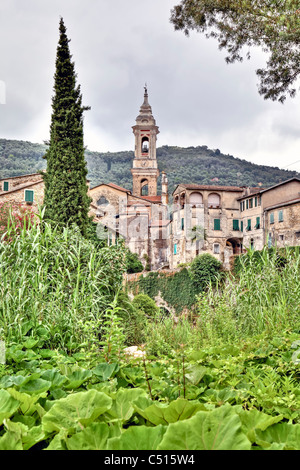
[264, 296]
[53, 283]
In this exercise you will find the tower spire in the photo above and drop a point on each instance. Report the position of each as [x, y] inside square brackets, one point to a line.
[145, 171]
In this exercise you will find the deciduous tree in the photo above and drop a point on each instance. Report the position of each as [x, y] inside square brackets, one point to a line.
[273, 25]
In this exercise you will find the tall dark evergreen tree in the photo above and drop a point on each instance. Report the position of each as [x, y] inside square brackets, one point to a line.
[66, 199]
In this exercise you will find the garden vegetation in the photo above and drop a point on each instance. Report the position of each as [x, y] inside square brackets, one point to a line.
[226, 376]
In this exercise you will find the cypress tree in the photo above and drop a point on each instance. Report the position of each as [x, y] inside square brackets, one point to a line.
[66, 199]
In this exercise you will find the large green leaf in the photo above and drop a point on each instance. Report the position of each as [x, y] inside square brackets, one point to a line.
[281, 433]
[105, 371]
[28, 436]
[256, 420]
[122, 407]
[8, 405]
[195, 373]
[177, 410]
[93, 437]
[35, 386]
[55, 377]
[28, 403]
[11, 441]
[219, 429]
[77, 378]
[76, 411]
[138, 438]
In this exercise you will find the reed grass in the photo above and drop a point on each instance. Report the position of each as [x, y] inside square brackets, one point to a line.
[52, 282]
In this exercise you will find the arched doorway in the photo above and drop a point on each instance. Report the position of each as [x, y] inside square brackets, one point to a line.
[235, 244]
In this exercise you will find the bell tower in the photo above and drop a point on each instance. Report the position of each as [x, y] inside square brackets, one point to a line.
[144, 171]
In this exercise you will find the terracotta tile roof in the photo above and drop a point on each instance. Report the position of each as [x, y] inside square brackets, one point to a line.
[151, 198]
[20, 187]
[20, 176]
[115, 186]
[211, 187]
[112, 185]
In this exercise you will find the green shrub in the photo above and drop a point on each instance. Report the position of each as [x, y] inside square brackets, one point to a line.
[205, 270]
[133, 264]
[178, 290]
[134, 320]
[147, 305]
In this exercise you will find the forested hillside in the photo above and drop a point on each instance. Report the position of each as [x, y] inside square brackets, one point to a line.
[199, 165]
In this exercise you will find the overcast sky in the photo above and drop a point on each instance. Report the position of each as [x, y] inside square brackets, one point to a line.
[119, 45]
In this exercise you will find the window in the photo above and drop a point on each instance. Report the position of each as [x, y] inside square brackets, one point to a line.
[216, 248]
[182, 224]
[249, 225]
[217, 224]
[255, 201]
[28, 195]
[250, 203]
[241, 206]
[281, 238]
[235, 224]
[196, 198]
[272, 218]
[175, 249]
[5, 186]
[280, 216]
[214, 200]
[242, 225]
[247, 204]
[257, 225]
[102, 201]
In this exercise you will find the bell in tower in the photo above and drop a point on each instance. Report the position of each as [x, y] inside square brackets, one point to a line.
[144, 170]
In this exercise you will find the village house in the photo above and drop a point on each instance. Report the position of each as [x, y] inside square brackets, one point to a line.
[221, 220]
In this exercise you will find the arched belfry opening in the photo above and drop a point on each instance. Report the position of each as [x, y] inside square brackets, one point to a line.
[144, 169]
[144, 187]
[145, 145]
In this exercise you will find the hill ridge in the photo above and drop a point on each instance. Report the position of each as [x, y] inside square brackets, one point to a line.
[198, 165]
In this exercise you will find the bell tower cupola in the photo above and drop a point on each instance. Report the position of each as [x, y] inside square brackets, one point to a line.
[144, 170]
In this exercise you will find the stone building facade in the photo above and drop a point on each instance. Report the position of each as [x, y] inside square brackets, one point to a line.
[27, 190]
[220, 220]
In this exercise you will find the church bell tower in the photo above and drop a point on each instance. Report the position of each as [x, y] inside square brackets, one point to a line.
[144, 170]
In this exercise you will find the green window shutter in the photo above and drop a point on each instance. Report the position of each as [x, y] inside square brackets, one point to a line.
[5, 186]
[28, 195]
[242, 225]
[247, 204]
[217, 224]
[280, 216]
[257, 222]
[249, 224]
[250, 203]
[175, 249]
[182, 224]
[255, 201]
[272, 218]
[235, 224]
